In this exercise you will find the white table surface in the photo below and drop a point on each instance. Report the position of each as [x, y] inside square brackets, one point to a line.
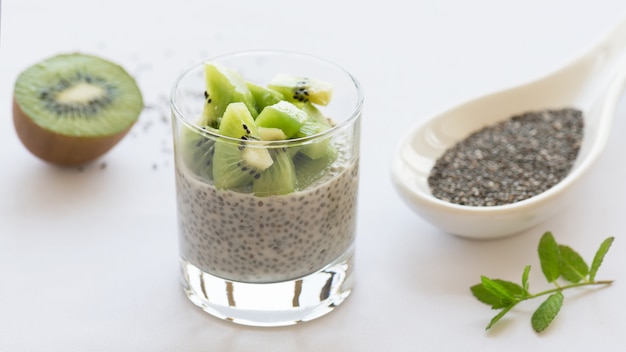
[88, 257]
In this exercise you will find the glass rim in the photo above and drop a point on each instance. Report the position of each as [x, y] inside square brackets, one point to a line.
[354, 114]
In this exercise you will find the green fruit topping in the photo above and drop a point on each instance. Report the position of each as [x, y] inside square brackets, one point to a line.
[283, 115]
[237, 122]
[253, 117]
[237, 163]
[302, 89]
[280, 178]
[197, 152]
[224, 86]
[315, 123]
[271, 134]
[314, 113]
[264, 96]
[308, 170]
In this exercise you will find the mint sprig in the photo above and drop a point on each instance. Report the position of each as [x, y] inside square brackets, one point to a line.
[557, 262]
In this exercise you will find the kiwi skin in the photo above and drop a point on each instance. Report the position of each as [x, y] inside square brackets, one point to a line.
[60, 149]
[57, 147]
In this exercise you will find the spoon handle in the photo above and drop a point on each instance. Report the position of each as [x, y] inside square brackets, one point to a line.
[595, 71]
[614, 44]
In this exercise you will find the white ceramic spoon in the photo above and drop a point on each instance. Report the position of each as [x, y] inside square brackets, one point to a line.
[592, 83]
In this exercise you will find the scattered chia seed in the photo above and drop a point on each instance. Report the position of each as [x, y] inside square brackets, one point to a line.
[510, 161]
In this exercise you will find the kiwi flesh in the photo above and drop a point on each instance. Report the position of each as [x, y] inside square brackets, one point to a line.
[224, 86]
[315, 123]
[249, 115]
[70, 109]
[280, 178]
[271, 133]
[264, 96]
[283, 115]
[302, 89]
[236, 162]
[197, 151]
[309, 170]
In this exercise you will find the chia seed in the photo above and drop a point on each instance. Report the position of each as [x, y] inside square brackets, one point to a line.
[510, 161]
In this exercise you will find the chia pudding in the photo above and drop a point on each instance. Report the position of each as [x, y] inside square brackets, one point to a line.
[242, 237]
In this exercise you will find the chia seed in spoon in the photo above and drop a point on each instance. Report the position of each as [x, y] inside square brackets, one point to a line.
[510, 161]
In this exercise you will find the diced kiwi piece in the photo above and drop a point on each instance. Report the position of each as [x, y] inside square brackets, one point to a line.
[317, 148]
[224, 86]
[315, 123]
[264, 96]
[308, 170]
[237, 163]
[271, 133]
[302, 89]
[314, 113]
[197, 151]
[280, 178]
[72, 108]
[283, 115]
[237, 122]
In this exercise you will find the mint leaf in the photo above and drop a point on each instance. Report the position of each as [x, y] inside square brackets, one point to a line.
[599, 257]
[499, 316]
[497, 293]
[482, 294]
[549, 257]
[556, 261]
[573, 266]
[514, 289]
[547, 311]
[503, 289]
[525, 284]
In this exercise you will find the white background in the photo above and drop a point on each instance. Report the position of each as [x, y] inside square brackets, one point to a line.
[88, 257]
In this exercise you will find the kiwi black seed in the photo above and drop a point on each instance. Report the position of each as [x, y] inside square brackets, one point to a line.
[197, 151]
[302, 89]
[301, 92]
[72, 108]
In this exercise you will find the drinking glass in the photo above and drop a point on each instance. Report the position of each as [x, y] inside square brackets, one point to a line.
[268, 260]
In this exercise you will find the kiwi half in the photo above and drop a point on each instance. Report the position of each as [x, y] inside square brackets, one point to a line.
[72, 108]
